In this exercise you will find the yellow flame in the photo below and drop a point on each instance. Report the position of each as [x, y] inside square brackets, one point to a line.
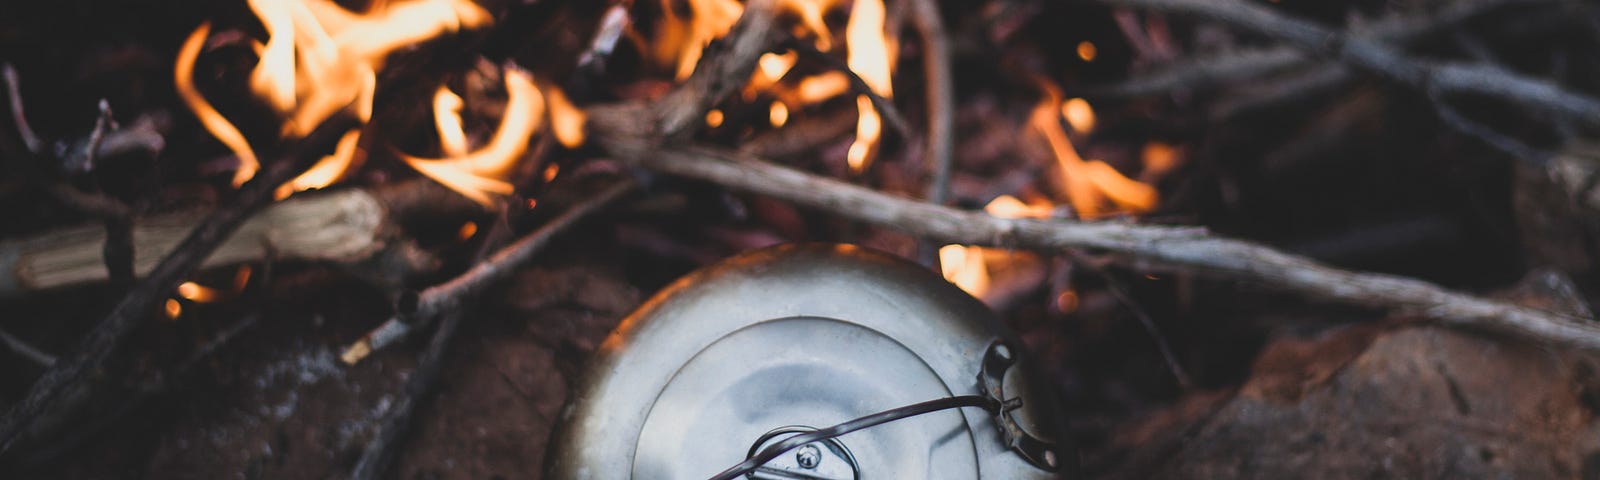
[1078, 114]
[197, 293]
[447, 120]
[481, 172]
[684, 39]
[183, 77]
[868, 128]
[964, 267]
[870, 58]
[566, 120]
[817, 88]
[1088, 184]
[1006, 206]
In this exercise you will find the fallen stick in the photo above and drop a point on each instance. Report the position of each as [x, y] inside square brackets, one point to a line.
[451, 295]
[1251, 63]
[1429, 76]
[344, 226]
[1182, 247]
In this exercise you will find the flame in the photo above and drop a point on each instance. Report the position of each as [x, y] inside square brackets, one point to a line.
[197, 293]
[447, 120]
[1088, 183]
[1159, 159]
[870, 59]
[330, 169]
[1006, 206]
[868, 128]
[566, 120]
[183, 77]
[479, 173]
[964, 267]
[684, 39]
[319, 58]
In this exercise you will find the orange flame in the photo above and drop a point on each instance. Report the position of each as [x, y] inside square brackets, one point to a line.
[964, 267]
[1088, 183]
[197, 293]
[870, 58]
[479, 173]
[318, 59]
[1006, 206]
[183, 77]
[566, 120]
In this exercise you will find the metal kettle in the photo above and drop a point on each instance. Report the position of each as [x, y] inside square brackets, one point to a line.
[712, 374]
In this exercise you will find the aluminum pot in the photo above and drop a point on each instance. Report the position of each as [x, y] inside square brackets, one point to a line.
[779, 342]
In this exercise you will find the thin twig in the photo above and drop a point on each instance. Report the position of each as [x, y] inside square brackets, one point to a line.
[1447, 78]
[941, 97]
[18, 117]
[380, 452]
[102, 124]
[96, 347]
[24, 350]
[1189, 248]
[1245, 64]
[1118, 290]
[451, 295]
[722, 70]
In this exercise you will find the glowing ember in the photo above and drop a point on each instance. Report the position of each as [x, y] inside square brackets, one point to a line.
[467, 230]
[778, 114]
[1078, 114]
[714, 118]
[551, 171]
[196, 292]
[173, 308]
[1087, 51]
[964, 267]
[480, 173]
[1088, 183]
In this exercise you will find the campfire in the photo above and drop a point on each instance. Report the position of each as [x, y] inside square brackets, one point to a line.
[385, 238]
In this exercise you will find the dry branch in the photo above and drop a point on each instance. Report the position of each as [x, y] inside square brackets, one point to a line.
[1443, 78]
[1190, 248]
[345, 226]
[1251, 63]
[451, 295]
